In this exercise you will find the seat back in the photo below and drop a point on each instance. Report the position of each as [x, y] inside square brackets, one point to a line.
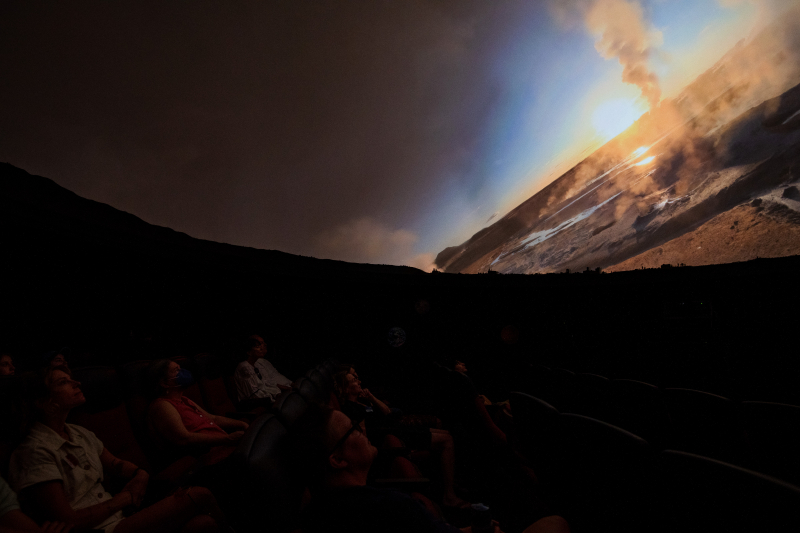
[703, 495]
[534, 420]
[211, 382]
[773, 431]
[561, 390]
[105, 413]
[323, 386]
[592, 396]
[290, 407]
[308, 390]
[136, 398]
[267, 463]
[704, 424]
[638, 407]
[604, 476]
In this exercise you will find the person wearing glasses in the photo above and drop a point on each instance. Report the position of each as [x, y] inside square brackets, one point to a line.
[337, 457]
[257, 380]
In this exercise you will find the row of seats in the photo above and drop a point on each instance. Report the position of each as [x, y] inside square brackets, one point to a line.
[601, 477]
[762, 436]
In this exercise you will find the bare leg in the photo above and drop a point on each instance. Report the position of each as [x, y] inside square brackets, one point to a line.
[201, 523]
[173, 512]
[442, 443]
[548, 524]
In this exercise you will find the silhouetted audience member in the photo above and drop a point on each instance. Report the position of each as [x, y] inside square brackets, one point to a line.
[58, 470]
[255, 377]
[6, 365]
[361, 404]
[338, 457]
[57, 357]
[177, 422]
[469, 395]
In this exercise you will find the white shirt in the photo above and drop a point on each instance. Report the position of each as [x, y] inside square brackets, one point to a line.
[45, 456]
[249, 385]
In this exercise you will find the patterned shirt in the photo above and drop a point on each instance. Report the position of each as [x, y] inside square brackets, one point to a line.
[45, 456]
[260, 381]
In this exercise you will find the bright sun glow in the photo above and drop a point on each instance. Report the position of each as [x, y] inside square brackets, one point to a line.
[639, 151]
[645, 161]
[615, 116]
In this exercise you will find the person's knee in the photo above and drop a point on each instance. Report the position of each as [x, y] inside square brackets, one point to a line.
[203, 498]
[201, 524]
[549, 524]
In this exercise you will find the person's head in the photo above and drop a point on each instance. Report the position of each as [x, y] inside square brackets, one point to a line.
[6, 365]
[56, 358]
[460, 366]
[332, 445]
[165, 375]
[56, 392]
[348, 386]
[254, 346]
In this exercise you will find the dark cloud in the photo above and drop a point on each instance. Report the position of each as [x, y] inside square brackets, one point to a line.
[256, 123]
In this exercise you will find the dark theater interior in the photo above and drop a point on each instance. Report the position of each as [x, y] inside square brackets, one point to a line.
[369, 266]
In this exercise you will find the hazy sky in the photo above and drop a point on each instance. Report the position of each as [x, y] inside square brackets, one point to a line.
[371, 131]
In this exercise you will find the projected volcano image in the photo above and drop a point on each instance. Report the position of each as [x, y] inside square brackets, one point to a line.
[710, 176]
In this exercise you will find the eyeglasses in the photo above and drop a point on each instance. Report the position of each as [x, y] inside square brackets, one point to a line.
[355, 427]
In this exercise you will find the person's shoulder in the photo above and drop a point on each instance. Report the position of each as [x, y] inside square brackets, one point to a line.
[244, 368]
[81, 432]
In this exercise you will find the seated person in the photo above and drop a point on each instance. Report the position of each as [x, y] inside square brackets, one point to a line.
[13, 520]
[361, 404]
[58, 470]
[177, 422]
[56, 357]
[338, 456]
[255, 377]
[470, 396]
[6, 365]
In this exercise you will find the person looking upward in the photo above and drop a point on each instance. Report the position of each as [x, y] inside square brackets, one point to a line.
[255, 377]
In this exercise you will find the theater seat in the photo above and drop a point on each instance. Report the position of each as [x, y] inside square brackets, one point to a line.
[105, 413]
[534, 420]
[604, 476]
[323, 386]
[637, 407]
[704, 495]
[211, 383]
[704, 424]
[309, 391]
[773, 431]
[271, 484]
[290, 407]
[592, 396]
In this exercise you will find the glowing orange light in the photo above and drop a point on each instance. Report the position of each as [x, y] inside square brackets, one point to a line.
[639, 151]
[645, 161]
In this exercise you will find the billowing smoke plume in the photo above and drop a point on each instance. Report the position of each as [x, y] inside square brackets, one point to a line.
[622, 33]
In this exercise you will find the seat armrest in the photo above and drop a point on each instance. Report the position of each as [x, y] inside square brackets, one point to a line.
[240, 415]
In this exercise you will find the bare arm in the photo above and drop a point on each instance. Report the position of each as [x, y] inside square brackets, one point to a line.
[228, 424]
[137, 478]
[167, 421]
[52, 500]
[16, 520]
[488, 423]
[382, 407]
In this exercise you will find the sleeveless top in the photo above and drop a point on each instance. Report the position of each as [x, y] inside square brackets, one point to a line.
[192, 418]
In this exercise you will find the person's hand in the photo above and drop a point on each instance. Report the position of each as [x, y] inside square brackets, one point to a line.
[244, 425]
[367, 394]
[137, 486]
[56, 527]
[283, 387]
[236, 436]
[122, 499]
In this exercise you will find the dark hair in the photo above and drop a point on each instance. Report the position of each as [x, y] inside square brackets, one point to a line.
[153, 376]
[340, 384]
[246, 344]
[309, 436]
